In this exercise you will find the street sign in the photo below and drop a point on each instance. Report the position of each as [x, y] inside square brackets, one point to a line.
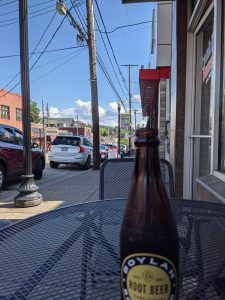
[125, 120]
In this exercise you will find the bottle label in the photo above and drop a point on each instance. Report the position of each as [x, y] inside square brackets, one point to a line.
[147, 276]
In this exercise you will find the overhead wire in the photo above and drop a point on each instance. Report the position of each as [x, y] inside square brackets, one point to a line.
[58, 66]
[47, 27]
[47, 51]
[99, 59]
[42, 52]
[105, 71]
[123, 26]
[111, 62]
[8, 3]
[100, 14]
[41, 14]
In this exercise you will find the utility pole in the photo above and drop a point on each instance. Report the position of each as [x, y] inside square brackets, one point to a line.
[63, 10]
[129, 66]
[135, 121]
[77, 125]
[28, 195]
[43, 126]
[119, 108]
[94, 88]
[47, 110]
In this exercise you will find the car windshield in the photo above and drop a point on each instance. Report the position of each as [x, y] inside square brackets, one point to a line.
[66, 140]
[103, 147]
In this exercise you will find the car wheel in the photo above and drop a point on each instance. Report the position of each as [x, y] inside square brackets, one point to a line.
[53, 164]
[39, 170]
[87, 164]
[2, 177]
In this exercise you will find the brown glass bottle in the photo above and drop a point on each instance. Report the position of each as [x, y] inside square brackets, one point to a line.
[148, 237]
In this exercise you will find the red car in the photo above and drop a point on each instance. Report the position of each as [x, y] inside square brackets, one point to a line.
[11, 155]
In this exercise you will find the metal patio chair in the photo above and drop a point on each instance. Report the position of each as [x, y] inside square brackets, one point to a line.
[115, 181]
[116, 176]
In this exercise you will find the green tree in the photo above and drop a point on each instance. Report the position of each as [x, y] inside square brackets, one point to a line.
[34, 112]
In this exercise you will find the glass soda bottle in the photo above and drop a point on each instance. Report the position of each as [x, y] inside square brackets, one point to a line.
[148, 236]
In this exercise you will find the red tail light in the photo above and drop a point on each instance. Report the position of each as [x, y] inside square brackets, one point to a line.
[81, 149]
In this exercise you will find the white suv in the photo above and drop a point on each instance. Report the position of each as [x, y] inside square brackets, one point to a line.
[71, 149]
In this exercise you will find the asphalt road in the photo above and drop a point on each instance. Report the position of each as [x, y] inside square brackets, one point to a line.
[66, 185]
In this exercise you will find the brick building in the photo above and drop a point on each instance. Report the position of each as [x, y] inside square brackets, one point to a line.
[11, 109]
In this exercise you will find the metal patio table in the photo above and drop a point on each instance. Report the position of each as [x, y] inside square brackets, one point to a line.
[73, 252]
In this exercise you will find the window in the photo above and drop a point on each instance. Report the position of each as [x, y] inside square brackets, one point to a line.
[66, 140]
[222, 112]
[87, 142]
[203, 103]
[19, 136]
[4, 112]
[18, 114]
[6, 135]
[194, 2]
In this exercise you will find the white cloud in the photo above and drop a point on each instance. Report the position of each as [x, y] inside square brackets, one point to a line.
[137, 98]
[82, 108]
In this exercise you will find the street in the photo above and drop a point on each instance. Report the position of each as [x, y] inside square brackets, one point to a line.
[66, 185]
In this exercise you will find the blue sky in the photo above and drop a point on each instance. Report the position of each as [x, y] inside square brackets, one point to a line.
[61, 78]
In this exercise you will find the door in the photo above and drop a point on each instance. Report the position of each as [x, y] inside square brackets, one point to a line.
[19, 143]
[202, 115]
[9, 151]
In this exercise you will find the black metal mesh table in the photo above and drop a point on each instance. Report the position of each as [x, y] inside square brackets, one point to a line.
[73, 252]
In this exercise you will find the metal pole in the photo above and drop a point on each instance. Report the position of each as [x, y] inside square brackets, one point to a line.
[77, 125]
[130, 129]
[94, 88]
[47, 109]
[135, 119]
[119, 108]
[43, 126]
[28, 195]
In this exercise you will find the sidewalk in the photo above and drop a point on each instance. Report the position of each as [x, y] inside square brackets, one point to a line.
[62, 190]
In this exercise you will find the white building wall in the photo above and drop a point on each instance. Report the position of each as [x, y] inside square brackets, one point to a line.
[164, 33]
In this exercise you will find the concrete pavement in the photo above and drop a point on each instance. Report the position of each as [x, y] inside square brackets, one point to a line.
[65, 187]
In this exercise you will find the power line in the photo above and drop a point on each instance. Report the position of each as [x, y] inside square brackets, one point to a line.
[41, 14]
[56, 59]
[47, 51]
[8, 3]
[99, 59]
[111, 61]
[30, 6]
[32, 13]
[38, 56]
[110, 44]
[104, 69]
[124, 26]
[47, 27]
[58, 66]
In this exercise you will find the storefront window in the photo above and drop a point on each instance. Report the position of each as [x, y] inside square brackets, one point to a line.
[203, 111]
[222, 112]
[194, 2]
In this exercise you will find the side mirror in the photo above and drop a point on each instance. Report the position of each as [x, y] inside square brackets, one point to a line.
[34, 145]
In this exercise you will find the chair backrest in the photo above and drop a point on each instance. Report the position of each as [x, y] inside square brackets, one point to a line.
[116, 176]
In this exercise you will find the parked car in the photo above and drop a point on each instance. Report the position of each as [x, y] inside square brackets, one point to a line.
[11, 155]
[103, 152]
[123, 149]
[68, 149]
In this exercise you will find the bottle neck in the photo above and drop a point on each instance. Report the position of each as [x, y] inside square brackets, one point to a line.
[147, 162]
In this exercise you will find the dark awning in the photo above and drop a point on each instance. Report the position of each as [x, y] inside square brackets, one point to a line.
[149, 82]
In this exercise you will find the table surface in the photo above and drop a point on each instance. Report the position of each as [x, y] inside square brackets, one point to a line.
[73, 252]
